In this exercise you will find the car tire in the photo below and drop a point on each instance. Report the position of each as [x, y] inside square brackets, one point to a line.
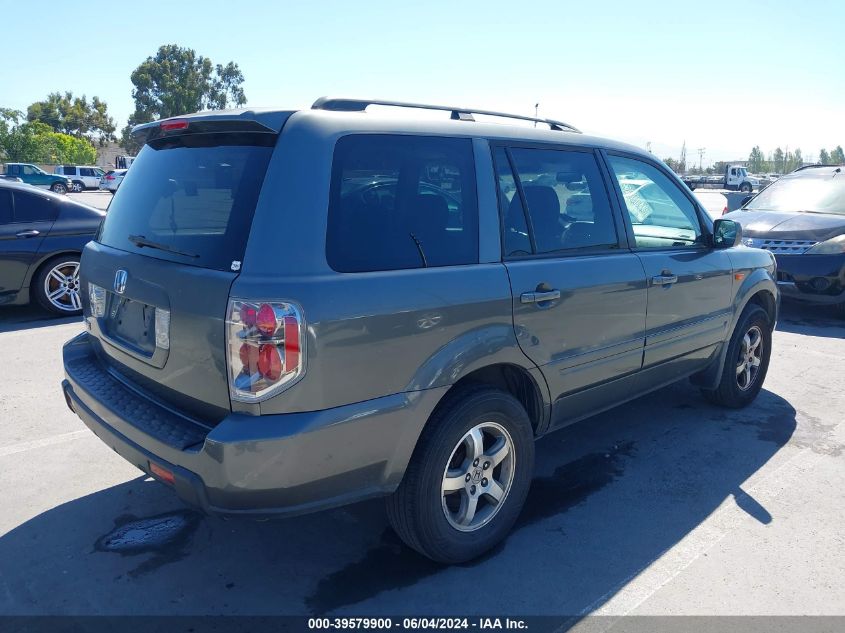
[78, 187]
[58, 188]
[746, 361]
[746, 187]
[478, 446]
[47, 286]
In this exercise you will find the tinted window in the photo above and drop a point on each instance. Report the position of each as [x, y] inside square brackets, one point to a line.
[34, 208]
[194, 194]
[515, 234]
[661, 215]
[5, 207]
[29, 170]
[86, 171]
[401, 202]
[567, 202]
[68, 170]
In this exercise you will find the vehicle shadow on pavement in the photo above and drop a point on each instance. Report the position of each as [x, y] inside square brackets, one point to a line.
[28, 317]
[811, 320]
[610, 496]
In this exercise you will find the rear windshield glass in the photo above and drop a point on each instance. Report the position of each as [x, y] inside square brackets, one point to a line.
[402, 202]
[190, 199]
[816, 190]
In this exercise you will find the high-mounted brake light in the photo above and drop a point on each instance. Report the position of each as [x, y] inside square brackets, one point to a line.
[173, 124]
[266, 348]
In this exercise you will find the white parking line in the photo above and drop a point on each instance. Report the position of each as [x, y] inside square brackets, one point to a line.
[623, 599]
[47, 441]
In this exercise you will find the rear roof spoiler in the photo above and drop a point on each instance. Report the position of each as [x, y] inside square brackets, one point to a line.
[256, 121]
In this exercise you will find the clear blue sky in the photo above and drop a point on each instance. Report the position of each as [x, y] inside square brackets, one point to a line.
[720, 75]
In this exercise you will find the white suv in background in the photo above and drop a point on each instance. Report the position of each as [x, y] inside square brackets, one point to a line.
[111, 180]
[83, 176]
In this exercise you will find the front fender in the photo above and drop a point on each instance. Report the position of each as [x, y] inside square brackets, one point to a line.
[756, 279]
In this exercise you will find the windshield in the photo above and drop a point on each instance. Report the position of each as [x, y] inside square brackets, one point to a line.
[190, 199]
[817, 190]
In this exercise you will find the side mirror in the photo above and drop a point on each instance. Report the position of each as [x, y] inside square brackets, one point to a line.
[726, 233]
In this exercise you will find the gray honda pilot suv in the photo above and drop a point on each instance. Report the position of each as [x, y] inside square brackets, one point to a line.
[292, 310]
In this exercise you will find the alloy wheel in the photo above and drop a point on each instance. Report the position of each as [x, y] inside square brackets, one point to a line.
[478, 477]
[61, 286]
[750, 358]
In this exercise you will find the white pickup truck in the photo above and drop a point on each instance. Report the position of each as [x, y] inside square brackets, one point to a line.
[735, 178]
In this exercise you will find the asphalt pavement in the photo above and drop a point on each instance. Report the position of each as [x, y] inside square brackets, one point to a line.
[667, 505]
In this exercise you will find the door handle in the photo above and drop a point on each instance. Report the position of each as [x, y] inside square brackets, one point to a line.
[666, 278]
[539, 296]
[29, 233]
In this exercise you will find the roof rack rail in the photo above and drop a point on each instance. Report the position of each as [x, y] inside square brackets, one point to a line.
[458, 114]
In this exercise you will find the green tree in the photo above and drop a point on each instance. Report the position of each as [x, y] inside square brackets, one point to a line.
[824, 157]
[178, 81]
[778, 160]
[36, 142]
[672, 164]
[75, 116]
[756, 160]
[837, 156]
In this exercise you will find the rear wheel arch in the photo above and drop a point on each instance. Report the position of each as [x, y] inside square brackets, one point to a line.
[509, 378]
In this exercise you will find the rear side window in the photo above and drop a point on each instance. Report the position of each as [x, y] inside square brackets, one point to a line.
[34, 208]
[401, 202]
[68, 170]
[567, 202]
[515, 235]
[194, 196]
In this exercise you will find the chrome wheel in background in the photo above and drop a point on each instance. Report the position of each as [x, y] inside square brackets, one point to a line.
[61, 286]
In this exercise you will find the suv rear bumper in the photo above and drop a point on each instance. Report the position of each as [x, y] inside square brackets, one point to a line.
[261, 466]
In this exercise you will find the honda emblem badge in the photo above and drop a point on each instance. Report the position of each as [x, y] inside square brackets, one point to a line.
[120, 281]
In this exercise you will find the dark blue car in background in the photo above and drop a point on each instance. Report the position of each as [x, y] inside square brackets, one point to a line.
[41, 238]
[801, 219]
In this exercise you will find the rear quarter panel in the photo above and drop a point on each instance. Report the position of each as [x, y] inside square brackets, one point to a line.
[369, 334]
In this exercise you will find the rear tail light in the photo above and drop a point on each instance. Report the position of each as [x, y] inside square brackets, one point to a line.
[725, 210]
[109, 177]
[265, 341]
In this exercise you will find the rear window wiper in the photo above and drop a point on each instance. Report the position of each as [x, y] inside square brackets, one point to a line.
[140, 241]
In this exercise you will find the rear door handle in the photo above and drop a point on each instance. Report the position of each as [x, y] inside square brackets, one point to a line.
[666, 278]
[26, 234]
[539, 296]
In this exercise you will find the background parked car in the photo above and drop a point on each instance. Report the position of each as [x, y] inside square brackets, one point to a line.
[111, 180]
[33, 175]
[41, 238]
[82, 176]
[801, 219]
